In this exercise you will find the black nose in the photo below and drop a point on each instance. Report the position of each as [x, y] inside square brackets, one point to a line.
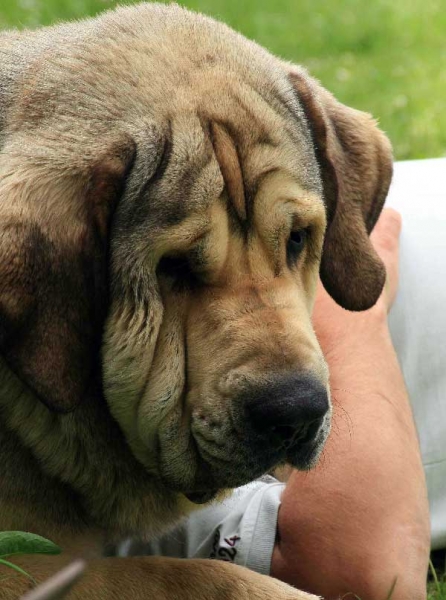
[288, 409]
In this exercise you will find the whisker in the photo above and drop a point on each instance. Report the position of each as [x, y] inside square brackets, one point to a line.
[344, 414]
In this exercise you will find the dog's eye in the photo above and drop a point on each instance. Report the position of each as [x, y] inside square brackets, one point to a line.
[295, 245]
[174, 267]
[178, 270]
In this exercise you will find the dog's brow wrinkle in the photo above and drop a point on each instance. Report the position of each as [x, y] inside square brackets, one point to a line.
[165, 155]
[266, 140]
[229, 162]
[163, 161]
[254, 186]
[252, 117]
[205, 126]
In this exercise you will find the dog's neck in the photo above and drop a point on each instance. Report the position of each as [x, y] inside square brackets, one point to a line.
[63, 476]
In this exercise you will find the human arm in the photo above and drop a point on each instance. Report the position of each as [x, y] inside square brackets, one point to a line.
[360, 518]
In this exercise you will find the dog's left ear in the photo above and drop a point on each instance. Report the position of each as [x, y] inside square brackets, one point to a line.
[55, 214]
[355, 160]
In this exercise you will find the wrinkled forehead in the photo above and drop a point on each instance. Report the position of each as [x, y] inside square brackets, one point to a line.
[229, 139]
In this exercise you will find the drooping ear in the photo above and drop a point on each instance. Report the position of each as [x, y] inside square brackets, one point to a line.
[355, 160]
[54, 226]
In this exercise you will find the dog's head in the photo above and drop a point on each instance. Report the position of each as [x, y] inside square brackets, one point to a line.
[183, 246]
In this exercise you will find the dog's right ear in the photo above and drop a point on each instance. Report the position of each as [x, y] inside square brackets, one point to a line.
[355, 160]
[55, 215]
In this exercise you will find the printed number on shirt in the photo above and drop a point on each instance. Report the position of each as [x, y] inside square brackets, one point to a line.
[224, 549]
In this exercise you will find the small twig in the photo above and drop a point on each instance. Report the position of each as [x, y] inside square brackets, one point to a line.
[57, 586]
[392, 589]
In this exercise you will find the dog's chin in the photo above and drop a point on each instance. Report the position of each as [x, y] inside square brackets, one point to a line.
[302, 458]
[201, 475]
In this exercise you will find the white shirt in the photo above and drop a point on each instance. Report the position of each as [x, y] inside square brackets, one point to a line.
[418, 318]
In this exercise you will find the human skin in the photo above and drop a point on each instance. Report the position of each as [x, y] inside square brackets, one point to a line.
[360, 519]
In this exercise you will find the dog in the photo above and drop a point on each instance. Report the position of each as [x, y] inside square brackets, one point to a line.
[170, 193]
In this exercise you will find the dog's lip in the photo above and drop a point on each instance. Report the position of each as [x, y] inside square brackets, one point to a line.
[300, 455]
[201, 497]
[309, 436]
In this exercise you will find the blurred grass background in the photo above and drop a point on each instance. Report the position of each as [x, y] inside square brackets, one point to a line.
[387, 57]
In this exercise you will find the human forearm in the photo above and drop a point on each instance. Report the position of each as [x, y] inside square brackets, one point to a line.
[360, 519]
[363, 511]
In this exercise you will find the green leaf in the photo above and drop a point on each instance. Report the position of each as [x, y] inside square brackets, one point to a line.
[18, 569]
[23, 542]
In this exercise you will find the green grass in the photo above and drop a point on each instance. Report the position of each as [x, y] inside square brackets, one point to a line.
[436, 589]
[387, 57]
[437, 593]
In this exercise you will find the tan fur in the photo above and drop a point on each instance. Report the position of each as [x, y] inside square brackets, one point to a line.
[228, 160]
[148, 136]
